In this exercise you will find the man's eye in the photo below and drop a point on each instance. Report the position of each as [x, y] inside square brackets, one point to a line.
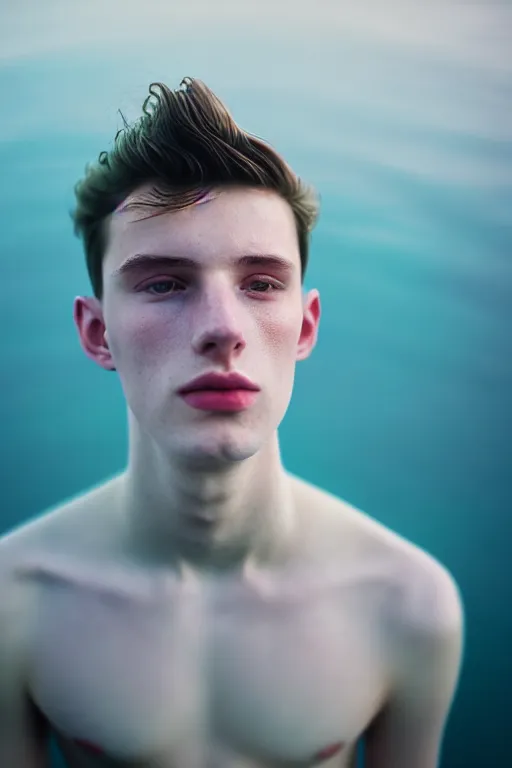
[265, 283]
[161, 287]
[161, 283]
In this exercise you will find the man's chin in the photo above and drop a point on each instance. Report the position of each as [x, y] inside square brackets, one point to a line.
[215, 457]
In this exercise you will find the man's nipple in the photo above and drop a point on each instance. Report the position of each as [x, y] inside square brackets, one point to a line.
[328, 752]
[88, 746]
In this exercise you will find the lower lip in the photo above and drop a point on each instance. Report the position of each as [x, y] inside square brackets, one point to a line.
[221, 399]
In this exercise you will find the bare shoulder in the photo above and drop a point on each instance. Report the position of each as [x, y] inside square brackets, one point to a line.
[68, 527]
[422, 591]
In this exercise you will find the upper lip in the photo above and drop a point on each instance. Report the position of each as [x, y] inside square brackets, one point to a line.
[219, 381]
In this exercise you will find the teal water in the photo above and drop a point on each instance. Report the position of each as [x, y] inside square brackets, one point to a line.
[401, 118]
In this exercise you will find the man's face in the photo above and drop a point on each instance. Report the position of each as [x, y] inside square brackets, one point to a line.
[168, 323]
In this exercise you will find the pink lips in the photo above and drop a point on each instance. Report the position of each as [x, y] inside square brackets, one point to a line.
[220, 392]
[221, 381]
[231, 400]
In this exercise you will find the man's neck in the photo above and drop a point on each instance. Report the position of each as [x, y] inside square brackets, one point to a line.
[211, 520]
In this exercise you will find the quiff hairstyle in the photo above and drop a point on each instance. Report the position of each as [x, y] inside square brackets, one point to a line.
[184, 145]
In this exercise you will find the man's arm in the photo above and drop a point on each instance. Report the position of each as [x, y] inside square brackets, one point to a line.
[427, 650]
[23, 742]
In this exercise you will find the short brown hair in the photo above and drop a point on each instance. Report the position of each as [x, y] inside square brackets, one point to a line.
[186, 143]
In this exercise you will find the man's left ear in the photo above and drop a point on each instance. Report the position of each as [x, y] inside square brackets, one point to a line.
[310, 322]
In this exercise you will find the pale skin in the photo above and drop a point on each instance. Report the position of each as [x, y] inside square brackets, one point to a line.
[206, 608]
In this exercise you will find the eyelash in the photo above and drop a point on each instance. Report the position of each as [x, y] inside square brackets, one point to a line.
[275, 286]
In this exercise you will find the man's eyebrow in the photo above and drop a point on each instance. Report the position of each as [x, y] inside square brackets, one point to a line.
[140, 261]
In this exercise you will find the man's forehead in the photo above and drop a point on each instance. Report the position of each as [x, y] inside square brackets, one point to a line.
[237, 214]
[229, 236]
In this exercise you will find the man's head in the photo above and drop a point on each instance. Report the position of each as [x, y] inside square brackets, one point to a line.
[187, 183]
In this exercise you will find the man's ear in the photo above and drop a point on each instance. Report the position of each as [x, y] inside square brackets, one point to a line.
[88, 318]
[310, 323]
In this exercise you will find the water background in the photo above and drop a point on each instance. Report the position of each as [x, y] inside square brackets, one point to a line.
[399, 113]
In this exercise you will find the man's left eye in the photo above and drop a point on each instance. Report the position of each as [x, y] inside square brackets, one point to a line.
[264, 283]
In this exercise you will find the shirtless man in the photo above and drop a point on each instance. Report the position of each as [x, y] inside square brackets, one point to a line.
[206, 608]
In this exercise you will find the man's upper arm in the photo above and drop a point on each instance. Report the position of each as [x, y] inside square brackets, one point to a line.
[23, 743]
[428, 646]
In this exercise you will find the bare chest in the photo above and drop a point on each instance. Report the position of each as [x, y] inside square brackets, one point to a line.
[267, 674]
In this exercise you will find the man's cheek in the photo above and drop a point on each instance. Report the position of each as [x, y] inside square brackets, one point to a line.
[146, 339]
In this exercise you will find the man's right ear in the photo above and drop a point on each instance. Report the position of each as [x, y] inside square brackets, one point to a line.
[88, 317]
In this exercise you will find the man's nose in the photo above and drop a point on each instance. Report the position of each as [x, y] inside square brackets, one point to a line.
[218, 326]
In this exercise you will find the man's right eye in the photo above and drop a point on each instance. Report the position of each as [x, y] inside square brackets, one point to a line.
[161, 283]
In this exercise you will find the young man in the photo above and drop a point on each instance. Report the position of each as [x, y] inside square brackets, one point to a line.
[205, 607]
